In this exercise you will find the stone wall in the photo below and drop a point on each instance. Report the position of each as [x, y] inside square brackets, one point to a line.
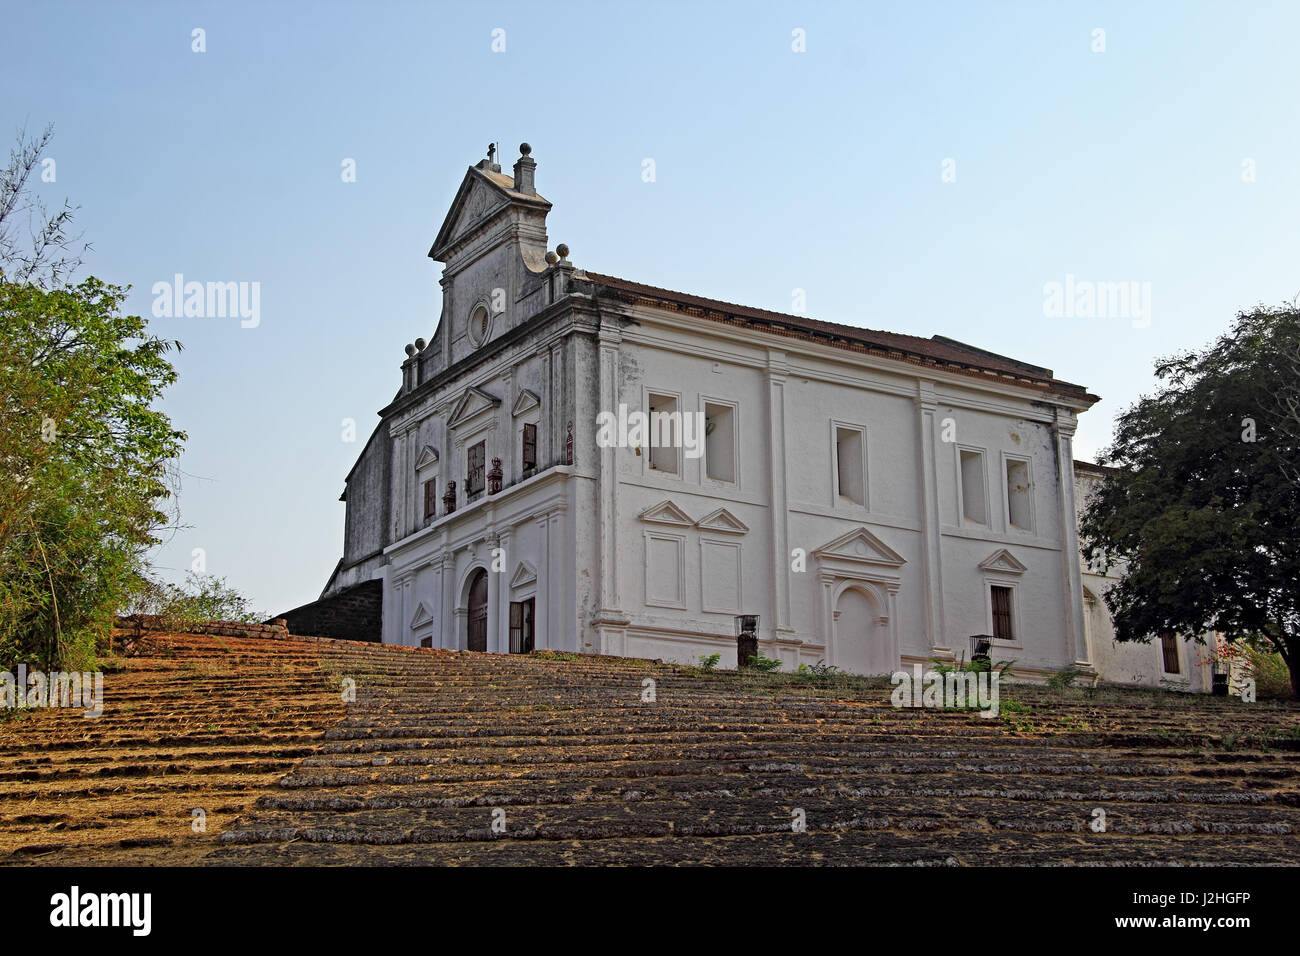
[354, 614]
[136, 625]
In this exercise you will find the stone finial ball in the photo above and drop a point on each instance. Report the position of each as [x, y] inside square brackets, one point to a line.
[419, 345]
[410, 350]
[552, 258]
[524, 149]
[563, 250]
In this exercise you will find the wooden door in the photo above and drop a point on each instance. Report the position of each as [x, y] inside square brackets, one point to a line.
[478, 614]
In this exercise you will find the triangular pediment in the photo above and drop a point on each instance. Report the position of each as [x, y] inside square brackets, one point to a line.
[666, 513]
[475, 201]
[421, 616]
[724, 521]
[482, 195]
[429, 456]
[525, 573]
[862, 547]
[1004, 561]
[525, 401]
[474, 402]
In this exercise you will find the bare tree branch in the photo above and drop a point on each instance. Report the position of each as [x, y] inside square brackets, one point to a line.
[35, 246]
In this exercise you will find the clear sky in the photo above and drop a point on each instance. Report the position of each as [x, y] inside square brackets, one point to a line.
[775, 170]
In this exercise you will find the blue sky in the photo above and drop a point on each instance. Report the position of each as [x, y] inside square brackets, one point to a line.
[775, 171]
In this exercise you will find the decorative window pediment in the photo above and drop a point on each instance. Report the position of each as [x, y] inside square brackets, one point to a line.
[524, 574]
[1003, 561]
[860, 546]
[525, 401]
[667, 513]
[724, 521]
[421, 617]
[473, 403]
[429, 456]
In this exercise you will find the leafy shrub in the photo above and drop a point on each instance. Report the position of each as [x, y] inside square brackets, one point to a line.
[819, 670]
[765, 664]
[963, 666]
[1064, 678]
[203, 597]
[1272, 679]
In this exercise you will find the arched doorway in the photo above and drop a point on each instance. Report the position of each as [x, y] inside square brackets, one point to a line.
[861, 644]
[478, 614]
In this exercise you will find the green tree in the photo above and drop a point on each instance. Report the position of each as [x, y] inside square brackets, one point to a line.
[202, 598]
[85, 458]
[83, 452]
[1203, 510]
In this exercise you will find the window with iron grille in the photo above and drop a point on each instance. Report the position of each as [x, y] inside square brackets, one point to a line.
[530, 448]
[474, 475]
[1169, 650]
[431, 498]
[1003, 628]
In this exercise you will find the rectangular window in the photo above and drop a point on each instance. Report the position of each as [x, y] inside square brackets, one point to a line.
[1003, 626]
[850, 482]
[720, 442]
[665, 434]
[431, 498]
[1169, 651]
[1019, 501]
[974, 501]
[475, 469]
[530, 449]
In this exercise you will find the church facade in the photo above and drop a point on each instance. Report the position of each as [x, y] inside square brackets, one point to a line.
[584, 463]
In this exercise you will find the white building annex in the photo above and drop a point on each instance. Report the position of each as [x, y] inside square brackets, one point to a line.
[1164, 662]
[875, 498]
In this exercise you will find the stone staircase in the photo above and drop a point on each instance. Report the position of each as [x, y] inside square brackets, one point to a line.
[190, 722]
[455, 757]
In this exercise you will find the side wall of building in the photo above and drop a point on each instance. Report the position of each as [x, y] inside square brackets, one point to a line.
[882, 571]
[1131, 663]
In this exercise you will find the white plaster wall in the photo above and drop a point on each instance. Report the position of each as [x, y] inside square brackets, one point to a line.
[693, 364]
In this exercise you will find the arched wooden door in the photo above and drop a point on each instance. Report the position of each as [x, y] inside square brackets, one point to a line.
[478, 614]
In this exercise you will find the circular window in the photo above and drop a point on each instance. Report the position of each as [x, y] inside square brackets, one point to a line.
[479, 323]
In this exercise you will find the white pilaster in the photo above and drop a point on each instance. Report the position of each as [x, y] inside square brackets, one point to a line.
[541, 612]
[931, 540]
[1076, 646]
[775, 376]
[501, 605]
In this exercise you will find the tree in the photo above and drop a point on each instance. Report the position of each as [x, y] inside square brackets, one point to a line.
[1285, 413]
[83, 452]
[1203, 507]
[202, 598]
[84, 459]
[35, 246]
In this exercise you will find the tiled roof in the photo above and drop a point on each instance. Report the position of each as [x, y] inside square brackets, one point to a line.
[937, 351]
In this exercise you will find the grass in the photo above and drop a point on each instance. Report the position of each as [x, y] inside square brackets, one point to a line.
[13, 714]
